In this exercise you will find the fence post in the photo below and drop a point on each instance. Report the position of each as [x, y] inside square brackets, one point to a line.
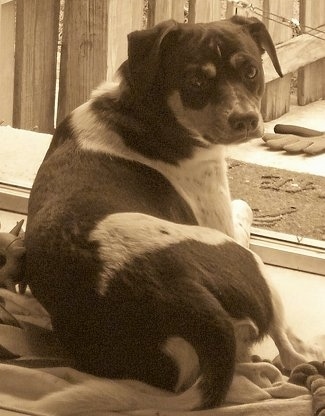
[123, 17]
[83, 54]
[159, 10]
[204, 11]
[35, 64]
[311, 83]
[231, 9]
[276, 99]
[7, 60]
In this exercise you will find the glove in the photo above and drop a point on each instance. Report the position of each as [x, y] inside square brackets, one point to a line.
[295, 139]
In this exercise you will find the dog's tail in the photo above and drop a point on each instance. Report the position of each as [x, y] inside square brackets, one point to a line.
[202, 324]
[206, 339]
[201, 342]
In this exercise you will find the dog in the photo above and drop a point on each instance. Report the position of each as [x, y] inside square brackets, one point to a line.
[130, 237]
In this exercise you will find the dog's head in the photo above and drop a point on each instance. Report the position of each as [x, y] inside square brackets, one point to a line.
[210, 74]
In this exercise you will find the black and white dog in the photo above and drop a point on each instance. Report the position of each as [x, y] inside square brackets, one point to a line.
[129, 235]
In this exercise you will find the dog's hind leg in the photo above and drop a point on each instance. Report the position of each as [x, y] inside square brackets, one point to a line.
[292, 349]
[280, 331]
[202, 322]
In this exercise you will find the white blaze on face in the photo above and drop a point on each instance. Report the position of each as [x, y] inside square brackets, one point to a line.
[199, 122]
[210, 69]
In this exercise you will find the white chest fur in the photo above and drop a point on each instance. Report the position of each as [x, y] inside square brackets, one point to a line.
[202, 182]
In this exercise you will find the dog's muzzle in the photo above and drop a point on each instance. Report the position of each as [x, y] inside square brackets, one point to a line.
[243, 123]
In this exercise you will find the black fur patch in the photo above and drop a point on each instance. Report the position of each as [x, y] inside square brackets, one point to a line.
[149, 127]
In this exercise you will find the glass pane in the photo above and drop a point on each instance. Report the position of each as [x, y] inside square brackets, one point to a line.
[285, 191]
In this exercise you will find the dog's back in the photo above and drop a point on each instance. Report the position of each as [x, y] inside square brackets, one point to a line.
[114, 250]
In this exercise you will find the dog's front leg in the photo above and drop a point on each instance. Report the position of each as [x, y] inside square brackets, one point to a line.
[291, 349]
[242, 219]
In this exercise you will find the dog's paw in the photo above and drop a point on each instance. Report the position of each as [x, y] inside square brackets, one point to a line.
[310, 351]
[301, 353]
[288, 360]
[246, 333]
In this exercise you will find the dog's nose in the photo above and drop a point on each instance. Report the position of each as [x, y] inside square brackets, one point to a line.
[243, 121]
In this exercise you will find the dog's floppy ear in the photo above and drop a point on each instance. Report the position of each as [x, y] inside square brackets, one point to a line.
[144, 51]
[261, 36]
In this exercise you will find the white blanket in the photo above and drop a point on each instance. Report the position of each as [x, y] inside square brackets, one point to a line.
[37, 382]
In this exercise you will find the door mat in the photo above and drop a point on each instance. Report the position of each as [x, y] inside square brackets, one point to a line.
[281, 200]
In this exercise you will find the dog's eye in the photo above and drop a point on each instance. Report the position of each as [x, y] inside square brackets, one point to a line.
[250, 71]
[197, 82]
[3, 260]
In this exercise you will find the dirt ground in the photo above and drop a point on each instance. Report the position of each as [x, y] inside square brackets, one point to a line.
[281, 200]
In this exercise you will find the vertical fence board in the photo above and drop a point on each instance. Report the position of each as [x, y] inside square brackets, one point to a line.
[311, 80]
[123, 17]
[7, 60]
[95, 44]
[35, 64]
[276, 100]
[262, 9]
[231, 9]
[279, 32]
[159, 10]
[204, 11]
[84, 52]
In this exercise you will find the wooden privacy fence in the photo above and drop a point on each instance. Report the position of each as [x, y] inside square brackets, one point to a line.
[53, 53]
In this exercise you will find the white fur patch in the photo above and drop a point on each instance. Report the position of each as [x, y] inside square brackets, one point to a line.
[201, 180]
[197, 122]
[186, 359]
[210, 69]
[123, 236]
[246, 333]
[95, 136]
[107, 87]
[203, 184]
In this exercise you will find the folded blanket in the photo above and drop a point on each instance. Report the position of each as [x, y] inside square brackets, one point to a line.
[257, 389]
[50, 387]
